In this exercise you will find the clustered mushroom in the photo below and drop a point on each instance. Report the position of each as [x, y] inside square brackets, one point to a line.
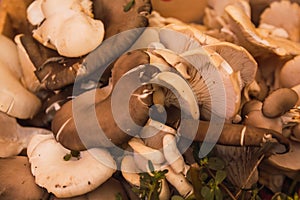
[228, 79]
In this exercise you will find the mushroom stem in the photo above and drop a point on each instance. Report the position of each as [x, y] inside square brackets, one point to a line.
[240, 135]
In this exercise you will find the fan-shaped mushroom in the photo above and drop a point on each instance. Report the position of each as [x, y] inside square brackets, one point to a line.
[288, 18]
[62, 177]
[289, 73]
[17, 181]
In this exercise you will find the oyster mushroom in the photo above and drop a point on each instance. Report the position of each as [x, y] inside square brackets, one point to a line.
[279, 102]
[289, 73]
[64, 125]
[15, 99]
[60, 176]
[19, 185]
[9, 56]
[238, 58]
[56, 30]
[249, 37]
[287, 162]
[111, 189]
[15, 138]
[288, 19]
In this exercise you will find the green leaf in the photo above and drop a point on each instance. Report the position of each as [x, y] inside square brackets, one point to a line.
[128, 6]
[218, 194]
[118, 196]
[203, 176]
[75, 154]
[207, 193]
[216, 163]
[220, 176]
[151, 167]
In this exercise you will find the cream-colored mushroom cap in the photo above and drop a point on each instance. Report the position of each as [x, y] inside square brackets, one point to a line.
[283, 14]
[70, 178]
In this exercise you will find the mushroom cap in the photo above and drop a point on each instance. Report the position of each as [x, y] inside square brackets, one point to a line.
[238, 58]
[17, 181]
[116, 20]
[290, 72]
[279, 102]
[9, 55]
[69, 178]
[111, 189]
[288, 19]
[288, 161]
[250, 38]
[15, 99]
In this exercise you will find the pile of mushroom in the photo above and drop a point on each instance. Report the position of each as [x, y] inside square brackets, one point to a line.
[92, 91]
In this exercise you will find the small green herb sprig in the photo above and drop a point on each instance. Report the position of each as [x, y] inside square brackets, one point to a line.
[150, 183]
[75, 154]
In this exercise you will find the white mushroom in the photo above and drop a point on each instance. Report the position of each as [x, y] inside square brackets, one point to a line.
[69, 28]
[69, 178]
[16, 100]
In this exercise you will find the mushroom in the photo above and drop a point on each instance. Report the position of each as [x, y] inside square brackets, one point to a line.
[73, 136]
[253, 116]
[56, 30]
[279, 102]
[62, 177]
[289, 73]
[15, 138]
[15, 99]
[111, 189]
[249, 37]
[9, 56]
[288, 19]
[17, 181]
[241, 61]
[287, 163]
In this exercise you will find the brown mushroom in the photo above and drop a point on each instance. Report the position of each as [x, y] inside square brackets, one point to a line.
[64, 125]
[279, 102]
[17, 181]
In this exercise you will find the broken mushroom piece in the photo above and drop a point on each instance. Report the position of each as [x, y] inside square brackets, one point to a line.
[17, 181]
[290, 72]
[63, 177]
[288, 18]
[13, 137]
[279, 102]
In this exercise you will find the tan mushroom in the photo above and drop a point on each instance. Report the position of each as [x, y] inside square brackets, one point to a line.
[288, 18]
[289, 73]
[17, 181]
[249, 37]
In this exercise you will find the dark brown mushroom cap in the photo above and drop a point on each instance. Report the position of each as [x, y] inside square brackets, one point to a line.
[116, 20]
[17, 181]
[111, 189]
[279, 102]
